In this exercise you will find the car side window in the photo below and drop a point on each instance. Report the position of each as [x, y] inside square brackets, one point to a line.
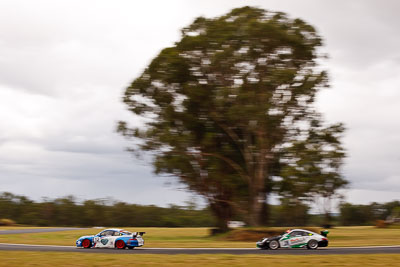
[106, 233]
[296, 233]
[117, 233]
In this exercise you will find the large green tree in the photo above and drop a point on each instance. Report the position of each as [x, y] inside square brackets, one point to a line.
[221, 104]
[310, 166]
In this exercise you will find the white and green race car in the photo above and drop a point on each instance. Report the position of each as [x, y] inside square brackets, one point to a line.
[296, 238]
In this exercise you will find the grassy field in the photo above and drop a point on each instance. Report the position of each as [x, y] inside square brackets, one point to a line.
[199, 237]
[363, 236]
[21, 227]
[47, 259]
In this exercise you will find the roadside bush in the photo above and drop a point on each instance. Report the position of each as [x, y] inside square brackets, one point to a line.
[6, 222]
[381, 224]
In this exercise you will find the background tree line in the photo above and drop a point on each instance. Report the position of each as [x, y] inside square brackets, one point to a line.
[67, 211]
[368, 214]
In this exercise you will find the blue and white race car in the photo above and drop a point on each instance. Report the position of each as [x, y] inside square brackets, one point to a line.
[296, 238]
[112, 238]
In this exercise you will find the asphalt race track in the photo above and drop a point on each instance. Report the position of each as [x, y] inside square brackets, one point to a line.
[171, 251]
[236, 251]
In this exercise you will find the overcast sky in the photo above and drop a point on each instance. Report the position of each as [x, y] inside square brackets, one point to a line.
[65, 64]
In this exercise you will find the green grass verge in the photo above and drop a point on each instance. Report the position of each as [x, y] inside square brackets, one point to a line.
[199, 237]
[47, 259]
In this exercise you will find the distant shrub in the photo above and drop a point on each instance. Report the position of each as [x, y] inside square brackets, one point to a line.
[381, 224]
[6, 222]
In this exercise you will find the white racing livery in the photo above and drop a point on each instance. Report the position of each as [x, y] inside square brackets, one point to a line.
[296, 238]
[112, 238]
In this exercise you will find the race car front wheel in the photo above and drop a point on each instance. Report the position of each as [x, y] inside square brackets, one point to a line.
[312, 244]
[273, 244]
[120, 244]
[86, 243]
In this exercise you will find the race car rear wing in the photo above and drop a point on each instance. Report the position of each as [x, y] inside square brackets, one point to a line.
[325, 233]
[138, 233]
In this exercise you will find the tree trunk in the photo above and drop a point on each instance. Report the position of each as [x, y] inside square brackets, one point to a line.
[257, 195]
[223, 214]
[256, 207]
[264, 216]
[257, 185]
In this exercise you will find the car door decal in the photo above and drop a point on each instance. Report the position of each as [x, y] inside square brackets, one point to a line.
[297, 240]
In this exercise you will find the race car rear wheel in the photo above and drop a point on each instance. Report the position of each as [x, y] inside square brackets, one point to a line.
[273, 244]
[120, 244]
[86, 243]
[312, 244]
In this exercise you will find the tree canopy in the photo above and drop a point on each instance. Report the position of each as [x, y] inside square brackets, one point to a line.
[230, 106]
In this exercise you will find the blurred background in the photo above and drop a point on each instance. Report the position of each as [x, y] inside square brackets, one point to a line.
[64, 67]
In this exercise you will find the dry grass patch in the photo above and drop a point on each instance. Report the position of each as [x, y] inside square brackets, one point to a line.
[21, 227]
[363, 236]
[47, 259]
